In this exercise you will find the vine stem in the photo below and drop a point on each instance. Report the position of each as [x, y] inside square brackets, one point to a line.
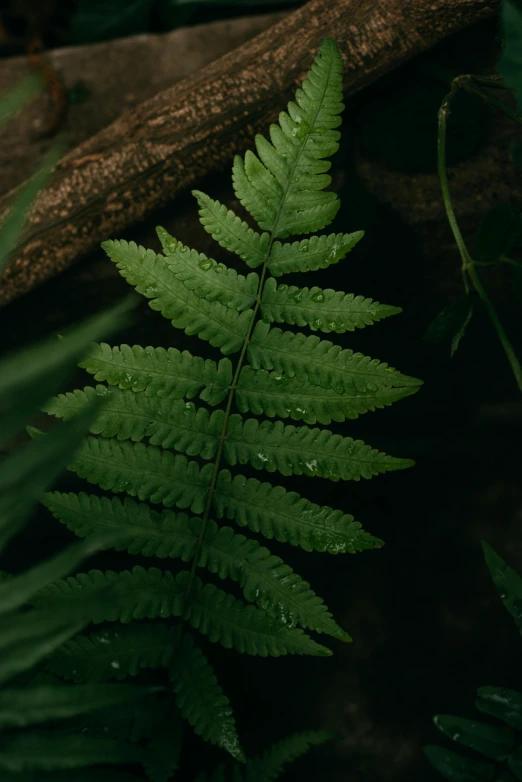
[469, 269]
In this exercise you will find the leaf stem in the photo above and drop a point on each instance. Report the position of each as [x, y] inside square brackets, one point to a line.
[470, 272]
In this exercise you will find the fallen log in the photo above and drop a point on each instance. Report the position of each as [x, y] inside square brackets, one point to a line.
[152, 153]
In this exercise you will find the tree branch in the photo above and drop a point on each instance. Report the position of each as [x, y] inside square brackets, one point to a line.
[171, 141]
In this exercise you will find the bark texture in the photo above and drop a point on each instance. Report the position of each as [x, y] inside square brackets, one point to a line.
[171, 141]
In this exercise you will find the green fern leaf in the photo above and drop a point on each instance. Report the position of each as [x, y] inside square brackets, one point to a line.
[201, 700]
[265, 579]
[213, 281]
[317, 252]
[273, 394]
[150, 274]
[287, 517]
[151, 594]
[321, 310]
[320, 362]
[282, 188]
[127, 415]
[270, 765]
[143, 471]
[231, 232]
[302, 451]
[501, 703]
[116, 652]
[159, 372]
[140, 529]
[243, 627]
[458, 768]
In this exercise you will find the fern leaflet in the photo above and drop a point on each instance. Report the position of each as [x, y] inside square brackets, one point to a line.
[322, 310]
[276, 394]
[159, 372]
[321, 362]
[200, 699]
[317, 252]
[214, 281]
[151, 275]
[287, 517]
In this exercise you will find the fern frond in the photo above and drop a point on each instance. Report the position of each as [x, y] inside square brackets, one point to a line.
[322, 310]
[127, 415]
[493, 741]
[201, 700]
[231, 232]
[269, 765]
[207, 278]
[223, 327]
[160, 372]
[152, 593]
[273, 394]
[264, 578]
[146, 472]
[242, 627]
[116, 652]
[299, 450]
[282, 188]
[321, 362]
[287, 517]
[316, 252]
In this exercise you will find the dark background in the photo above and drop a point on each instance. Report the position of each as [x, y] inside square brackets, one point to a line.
[427, 623]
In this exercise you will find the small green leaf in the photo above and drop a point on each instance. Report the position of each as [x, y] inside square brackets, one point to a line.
[508, 583]
[451, 323]
[505, 705]
[458, 768]
[493, 741]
